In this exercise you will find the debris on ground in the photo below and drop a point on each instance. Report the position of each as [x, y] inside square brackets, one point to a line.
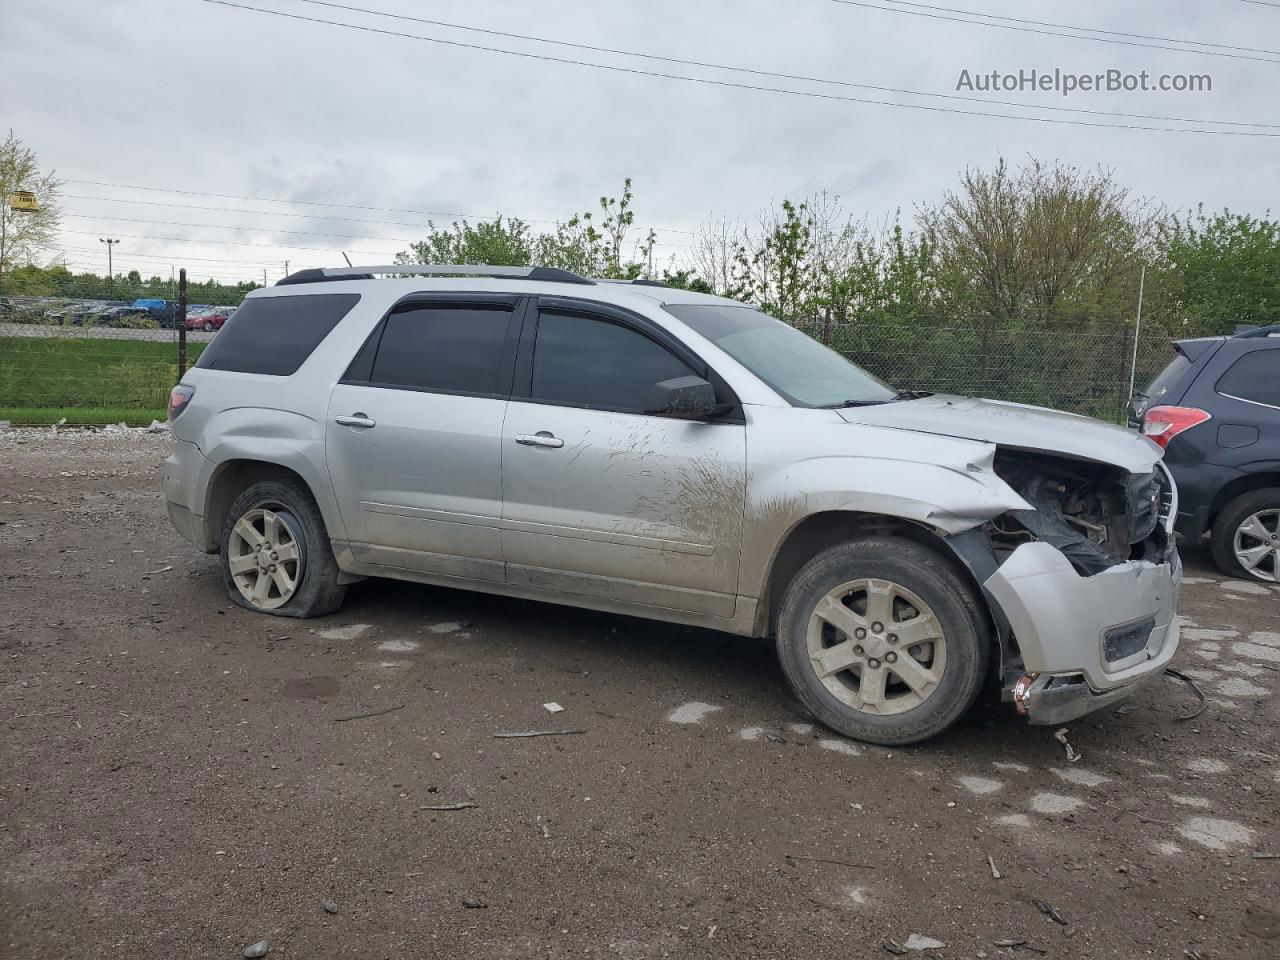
[542, 828]
[473, 904]
[918, 942]
[894, 947]
[157, 427]
[372, 713]
[1195, 688]
[1019, 945]
[464, 805]
[995, 874]
[1049, 911]
[538, 733]
[1072, 754]
[553, 707]
[328, 906]
[437, 755]
[258, 949]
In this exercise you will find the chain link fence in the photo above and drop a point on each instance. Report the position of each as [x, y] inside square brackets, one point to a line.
[93, 360]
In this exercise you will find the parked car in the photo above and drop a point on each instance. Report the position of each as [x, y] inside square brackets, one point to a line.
[119, 317]
[209, 319]
[650, 451]
[1216, 410]
[162, 310]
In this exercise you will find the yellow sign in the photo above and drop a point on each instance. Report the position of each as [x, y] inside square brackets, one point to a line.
[23, 200]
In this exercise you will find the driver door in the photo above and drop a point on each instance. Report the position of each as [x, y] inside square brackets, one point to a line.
[601, 499]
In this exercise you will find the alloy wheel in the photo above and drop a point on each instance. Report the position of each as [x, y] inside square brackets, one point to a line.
[1257, 545]
[876, 646]
[266, 556]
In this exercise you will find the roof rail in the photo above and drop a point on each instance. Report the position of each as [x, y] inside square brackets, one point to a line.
[321, 275]
[1271, 331]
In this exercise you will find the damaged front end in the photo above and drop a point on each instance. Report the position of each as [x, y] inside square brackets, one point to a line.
[1082, 585]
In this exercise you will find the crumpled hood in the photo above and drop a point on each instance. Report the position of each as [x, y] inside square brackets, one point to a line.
[1014, 425]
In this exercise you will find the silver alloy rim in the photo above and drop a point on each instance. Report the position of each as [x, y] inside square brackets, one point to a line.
[265, 557]
[876, 646]
[1257, 545]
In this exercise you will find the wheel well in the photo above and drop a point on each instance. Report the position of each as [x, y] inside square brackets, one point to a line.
[1245, 484]
[816, 533]
[226, 484]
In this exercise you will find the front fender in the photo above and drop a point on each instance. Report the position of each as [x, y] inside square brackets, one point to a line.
[950, 496]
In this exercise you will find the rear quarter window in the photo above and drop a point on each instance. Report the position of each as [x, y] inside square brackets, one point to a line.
[1167, 378]
[275, 335]
[1254, 377]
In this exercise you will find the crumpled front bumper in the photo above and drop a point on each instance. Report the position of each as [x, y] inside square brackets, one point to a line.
[1061, 622]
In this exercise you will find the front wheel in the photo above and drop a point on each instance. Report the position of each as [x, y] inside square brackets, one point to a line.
[1246, 536]
[275, 552]
[883, 641]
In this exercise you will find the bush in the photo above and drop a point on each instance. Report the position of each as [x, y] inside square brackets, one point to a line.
[133, 321]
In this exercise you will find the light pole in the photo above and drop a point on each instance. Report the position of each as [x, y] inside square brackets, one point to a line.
[111, 276]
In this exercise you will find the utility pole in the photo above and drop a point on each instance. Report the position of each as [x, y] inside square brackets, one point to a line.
[264, 276]
[286, 268]
[1137, 330]
[111, 276]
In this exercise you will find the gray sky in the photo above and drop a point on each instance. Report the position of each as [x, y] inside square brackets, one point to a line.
[185, 95]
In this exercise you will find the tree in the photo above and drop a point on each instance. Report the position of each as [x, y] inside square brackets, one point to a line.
[497, 242]
[1222, 270]
[24, 234]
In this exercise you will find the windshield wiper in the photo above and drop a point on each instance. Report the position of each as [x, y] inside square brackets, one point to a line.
[912, 394]
[853, 403]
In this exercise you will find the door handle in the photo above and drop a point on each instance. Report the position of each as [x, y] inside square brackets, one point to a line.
[543, 438]
[355, 420]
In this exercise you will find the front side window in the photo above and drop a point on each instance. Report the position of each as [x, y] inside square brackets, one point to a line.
[1255, 376]
[795, 365]
[443, 349]
[589, 362]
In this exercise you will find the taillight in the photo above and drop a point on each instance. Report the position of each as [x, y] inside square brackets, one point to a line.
[179, 397]
[1162, 424]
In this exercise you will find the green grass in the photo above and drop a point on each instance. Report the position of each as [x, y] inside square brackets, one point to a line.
[87, 380]
[81, 416]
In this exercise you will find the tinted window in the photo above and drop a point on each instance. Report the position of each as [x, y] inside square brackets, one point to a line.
[794, 364]
[274, 335]
[448, 349]
[1255, 376]
[1168, 377]
[581, 361]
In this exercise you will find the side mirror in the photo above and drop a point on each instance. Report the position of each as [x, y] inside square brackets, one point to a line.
[688, 398]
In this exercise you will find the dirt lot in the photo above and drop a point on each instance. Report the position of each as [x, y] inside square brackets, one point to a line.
[177, 784]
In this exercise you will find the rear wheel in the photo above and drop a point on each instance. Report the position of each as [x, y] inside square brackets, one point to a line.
[275, 552]
[1246, 536]
[207, 327]
[883, 641]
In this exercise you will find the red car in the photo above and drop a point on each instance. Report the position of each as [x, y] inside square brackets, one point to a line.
[210, 319]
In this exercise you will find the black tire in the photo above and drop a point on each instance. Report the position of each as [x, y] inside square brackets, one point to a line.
[1228, 521]
[207, 327]
[920, 571]
[317, 592]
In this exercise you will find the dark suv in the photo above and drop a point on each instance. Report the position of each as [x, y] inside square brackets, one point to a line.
[1216, 410]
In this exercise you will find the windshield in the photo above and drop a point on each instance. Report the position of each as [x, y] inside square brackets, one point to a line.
[794, 364]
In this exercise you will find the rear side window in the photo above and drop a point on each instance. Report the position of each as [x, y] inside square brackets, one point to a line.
[275, 335]
[443, 349]
[1255, 376]
[585, 362]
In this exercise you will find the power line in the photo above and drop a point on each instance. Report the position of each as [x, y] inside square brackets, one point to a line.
[781, 76]
[170, 257]
[234, 243]
[307, 203]
[1263, 3]
[1013, 24]
[243, 229]
[634, 71]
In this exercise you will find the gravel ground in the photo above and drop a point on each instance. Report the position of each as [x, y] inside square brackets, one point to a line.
[178, 784]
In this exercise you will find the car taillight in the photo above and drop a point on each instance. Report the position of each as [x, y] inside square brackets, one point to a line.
[1162, 424]
[179, 397]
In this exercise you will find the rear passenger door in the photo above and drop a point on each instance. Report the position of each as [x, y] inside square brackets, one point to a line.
[601, 499]
[414, 432]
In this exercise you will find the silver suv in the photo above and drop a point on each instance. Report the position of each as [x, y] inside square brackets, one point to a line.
[649, 451]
